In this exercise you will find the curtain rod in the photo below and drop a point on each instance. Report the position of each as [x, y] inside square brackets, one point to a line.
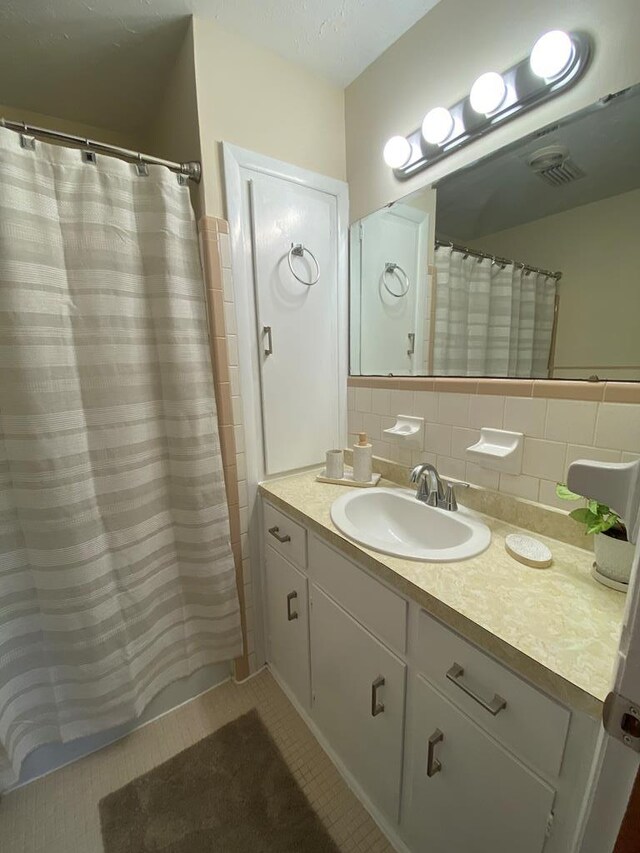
[192, 169]
[478, 253]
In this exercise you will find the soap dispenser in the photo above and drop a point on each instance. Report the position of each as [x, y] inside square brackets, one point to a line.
[362, 459]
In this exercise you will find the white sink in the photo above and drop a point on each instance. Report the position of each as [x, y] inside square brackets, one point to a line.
[394, 522]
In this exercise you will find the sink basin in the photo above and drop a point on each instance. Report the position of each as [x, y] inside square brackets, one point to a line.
[394, 522]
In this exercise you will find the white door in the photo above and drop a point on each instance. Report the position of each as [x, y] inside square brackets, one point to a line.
[294, 399]
[288, 624]
[393, 271]
[297, 321]
[616, 762]
[466, 793]
[358, 700]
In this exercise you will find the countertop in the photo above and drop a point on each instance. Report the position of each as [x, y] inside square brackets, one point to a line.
[556, 627]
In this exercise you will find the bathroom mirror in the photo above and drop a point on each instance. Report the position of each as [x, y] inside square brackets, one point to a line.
[525, 264]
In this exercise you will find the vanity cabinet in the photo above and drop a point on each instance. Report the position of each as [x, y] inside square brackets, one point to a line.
[466, 792]
[450, 750]
[358, 699]
[288, 624]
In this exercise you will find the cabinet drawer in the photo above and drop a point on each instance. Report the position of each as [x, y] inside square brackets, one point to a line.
[285, 536]
[379, 609]
[530, 723]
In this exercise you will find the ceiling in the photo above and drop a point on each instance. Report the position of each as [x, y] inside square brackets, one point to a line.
[502, 191]
[106, 62]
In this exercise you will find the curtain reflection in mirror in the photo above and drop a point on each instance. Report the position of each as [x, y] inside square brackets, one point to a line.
[491, 319]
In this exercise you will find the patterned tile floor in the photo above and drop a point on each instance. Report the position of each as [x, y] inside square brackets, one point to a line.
[59, 813]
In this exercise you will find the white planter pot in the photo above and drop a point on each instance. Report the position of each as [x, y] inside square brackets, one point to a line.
[613, 558]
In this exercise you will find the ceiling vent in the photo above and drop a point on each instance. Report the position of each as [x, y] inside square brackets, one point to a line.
[554, 165]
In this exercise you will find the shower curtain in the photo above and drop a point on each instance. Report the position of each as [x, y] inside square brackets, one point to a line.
[491, 320]
[116, 572]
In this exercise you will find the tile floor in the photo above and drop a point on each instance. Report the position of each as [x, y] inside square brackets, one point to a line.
[59, 813]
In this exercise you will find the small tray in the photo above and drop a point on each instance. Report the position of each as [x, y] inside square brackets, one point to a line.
[348, 480]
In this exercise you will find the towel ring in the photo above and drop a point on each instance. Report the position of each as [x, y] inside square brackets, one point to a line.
[298, 250]
[394, 268]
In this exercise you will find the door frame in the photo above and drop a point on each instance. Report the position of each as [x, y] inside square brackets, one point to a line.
[235, 161]
[615, 766]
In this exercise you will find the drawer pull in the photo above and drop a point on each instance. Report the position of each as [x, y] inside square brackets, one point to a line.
[433, 765]
[455, 673]
[268, 350]
[275, 532]
[291, 616]
[376, 707]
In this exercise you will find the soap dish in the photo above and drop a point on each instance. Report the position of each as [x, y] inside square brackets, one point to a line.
[498, 449]
[409, 429]
[528, 550]
[348, 480]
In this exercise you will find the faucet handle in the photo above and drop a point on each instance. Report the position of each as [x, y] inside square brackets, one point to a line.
[450, 501]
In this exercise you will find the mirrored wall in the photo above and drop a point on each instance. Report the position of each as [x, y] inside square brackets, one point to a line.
[525, 264]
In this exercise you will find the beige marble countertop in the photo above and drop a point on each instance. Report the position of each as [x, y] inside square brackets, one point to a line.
[557, 627]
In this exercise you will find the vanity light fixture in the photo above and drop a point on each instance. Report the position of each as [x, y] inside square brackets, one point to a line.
[551, 54]
[397, 152]
[557, 61]
[488, 93]
[437, 126]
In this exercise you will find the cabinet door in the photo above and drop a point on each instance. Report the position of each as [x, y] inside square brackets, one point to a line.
[288, 624]
[479, 798]
[358, 700]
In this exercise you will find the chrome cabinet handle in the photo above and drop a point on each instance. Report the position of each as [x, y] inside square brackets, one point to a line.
[376, 707]
[433, 765]
[412, 343]
[275, 532]
[268, 350]
[455, 673]
[291, 616]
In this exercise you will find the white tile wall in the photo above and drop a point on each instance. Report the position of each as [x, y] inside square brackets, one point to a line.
[557, 432]
[619, 426]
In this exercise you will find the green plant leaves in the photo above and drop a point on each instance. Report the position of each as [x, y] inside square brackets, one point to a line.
[563, 492]
[597, 517]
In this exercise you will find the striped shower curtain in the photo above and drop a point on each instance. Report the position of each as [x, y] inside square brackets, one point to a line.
[116, 572]
[491, 319]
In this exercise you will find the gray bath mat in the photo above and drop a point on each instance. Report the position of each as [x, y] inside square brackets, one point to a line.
[229, 793]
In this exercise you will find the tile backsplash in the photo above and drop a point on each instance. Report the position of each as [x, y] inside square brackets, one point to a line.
[556, 433]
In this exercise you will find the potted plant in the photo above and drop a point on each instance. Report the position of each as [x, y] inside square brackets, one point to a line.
[613, 551]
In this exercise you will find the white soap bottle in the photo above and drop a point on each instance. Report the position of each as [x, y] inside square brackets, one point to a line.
[362, 459]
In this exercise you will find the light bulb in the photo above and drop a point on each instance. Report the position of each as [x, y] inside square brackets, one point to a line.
[437, 126]
[488, 93]
[551, 54]
[397, 152]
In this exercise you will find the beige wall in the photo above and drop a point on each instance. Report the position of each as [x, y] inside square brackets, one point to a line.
[437, 60]
[595, 247]
[175, 133]
[251, 97]
[101, 134]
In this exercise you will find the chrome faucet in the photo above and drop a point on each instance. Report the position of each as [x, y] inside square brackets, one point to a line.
[432, 490]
